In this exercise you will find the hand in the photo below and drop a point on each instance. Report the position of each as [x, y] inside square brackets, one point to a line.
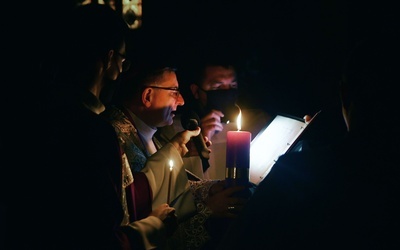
[182, 138]
[163, 211]
[307, 118]
[192, 148]
[211, 123]
[167, 214]
[222, 202]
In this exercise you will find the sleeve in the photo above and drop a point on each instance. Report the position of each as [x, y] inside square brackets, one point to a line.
[192, 233]
[152, 231]
[174, 181]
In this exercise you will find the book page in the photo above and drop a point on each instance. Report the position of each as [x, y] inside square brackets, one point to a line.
[270, 143]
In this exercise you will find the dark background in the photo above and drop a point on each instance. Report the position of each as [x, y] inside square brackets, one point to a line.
[287, 50]
[289, 53]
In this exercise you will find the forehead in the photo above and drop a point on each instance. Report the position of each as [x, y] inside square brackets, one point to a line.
[168, 78]
[218, 73]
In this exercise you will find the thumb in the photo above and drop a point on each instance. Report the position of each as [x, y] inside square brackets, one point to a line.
[193, 133]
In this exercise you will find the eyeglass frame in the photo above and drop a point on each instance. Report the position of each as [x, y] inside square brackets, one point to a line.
[175, 89]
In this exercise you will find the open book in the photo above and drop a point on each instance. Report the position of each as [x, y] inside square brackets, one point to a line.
[274, 140]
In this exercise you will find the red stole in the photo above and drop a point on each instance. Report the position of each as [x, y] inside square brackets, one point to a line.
[139, 197]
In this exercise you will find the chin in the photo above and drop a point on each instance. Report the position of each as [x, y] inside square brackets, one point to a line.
[170, 121]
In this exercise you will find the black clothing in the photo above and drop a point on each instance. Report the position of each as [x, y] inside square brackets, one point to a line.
[342, 196]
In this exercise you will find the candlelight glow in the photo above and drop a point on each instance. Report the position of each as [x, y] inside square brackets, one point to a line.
[171, 165]
[239, 120]
[237, 155]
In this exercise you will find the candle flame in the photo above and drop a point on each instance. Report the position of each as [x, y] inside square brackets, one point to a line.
[171, 165]
[239, 119]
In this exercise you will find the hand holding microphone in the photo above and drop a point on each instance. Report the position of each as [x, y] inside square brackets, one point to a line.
[190, 121]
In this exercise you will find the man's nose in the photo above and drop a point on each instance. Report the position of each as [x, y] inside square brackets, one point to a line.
[180, 100]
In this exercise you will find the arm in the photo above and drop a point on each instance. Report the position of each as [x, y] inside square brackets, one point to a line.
[151, 230]
[148, 233]
[158, 173]
[152, 225]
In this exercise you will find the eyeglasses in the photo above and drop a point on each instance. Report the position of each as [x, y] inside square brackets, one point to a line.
[175, 90]
[126, 64]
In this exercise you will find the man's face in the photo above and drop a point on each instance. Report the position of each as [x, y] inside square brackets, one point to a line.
[217, 78]
[116, 64]
[165, 98]
[218, 91]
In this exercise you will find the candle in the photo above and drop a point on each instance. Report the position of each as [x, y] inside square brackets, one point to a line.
[238, 155]
[171, 165]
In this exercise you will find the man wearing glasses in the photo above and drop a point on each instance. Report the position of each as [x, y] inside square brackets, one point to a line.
[148, 99]
[76, 185]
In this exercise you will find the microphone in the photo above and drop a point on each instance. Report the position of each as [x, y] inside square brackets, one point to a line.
[190, 121]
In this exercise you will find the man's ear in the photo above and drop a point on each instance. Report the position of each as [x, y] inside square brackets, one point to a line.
[147, 96]
[195, 90]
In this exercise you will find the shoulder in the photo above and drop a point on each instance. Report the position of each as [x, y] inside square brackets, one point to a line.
[116, 117]
[112, 113]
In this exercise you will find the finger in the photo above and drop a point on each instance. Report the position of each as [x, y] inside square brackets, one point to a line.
[194, 132]
[207, 141]
[217, 112]
[307, 118]
[184, 136]
[185, 150]
[213, 127]
[214, 114]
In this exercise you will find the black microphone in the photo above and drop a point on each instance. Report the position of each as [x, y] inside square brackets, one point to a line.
[190, 121]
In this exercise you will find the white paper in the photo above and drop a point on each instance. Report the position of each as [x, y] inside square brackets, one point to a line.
[271, 142]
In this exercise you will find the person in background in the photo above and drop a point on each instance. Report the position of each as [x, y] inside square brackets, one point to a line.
[71, 190]
[344, 195]
[212, 91]
[148, 99]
